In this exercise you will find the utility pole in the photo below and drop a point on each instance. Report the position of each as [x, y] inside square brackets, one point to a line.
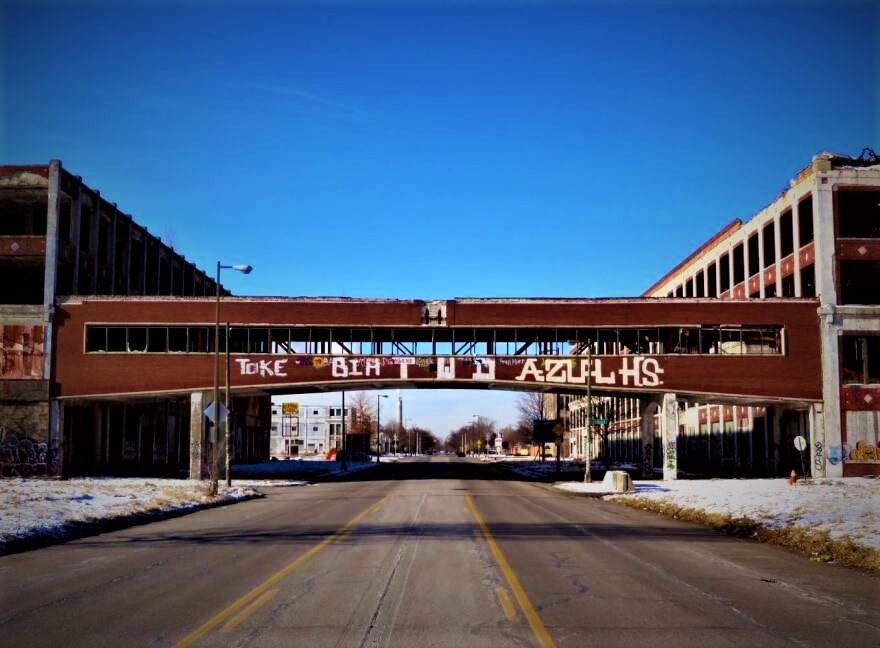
[587, 476]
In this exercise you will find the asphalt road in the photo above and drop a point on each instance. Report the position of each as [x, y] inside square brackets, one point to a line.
[421, 554]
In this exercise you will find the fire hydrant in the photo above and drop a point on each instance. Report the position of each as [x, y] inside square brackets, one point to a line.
[792, 478]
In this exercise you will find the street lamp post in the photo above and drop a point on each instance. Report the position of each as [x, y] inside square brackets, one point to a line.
[244, 269]
[378, 426]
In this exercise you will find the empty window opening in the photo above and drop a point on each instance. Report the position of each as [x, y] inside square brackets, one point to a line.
[805, 220]
[860, 282]
[858, 214]
[769, 245]
[739, 268]
[724, 270]
[786, 234]
[860, 364]
[788, 286]
[808, 281]
[701, 285]
[689, 288]
[712, 278]
[754, 255]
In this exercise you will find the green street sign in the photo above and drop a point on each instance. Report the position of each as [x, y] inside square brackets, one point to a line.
[600, 421]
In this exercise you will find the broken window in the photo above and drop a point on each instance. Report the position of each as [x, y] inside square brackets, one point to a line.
[177, 339]
[157, 340]
[96, 338]
[701, 284]
[769, 244]
[712, 280]
[137, 339]
[724, 270]
[739, 267]
[860, 363]
[805, 220]
[859, 282]
[808, 281]
[116, 339]
[754, 255]
[786, 234]
[858, 214]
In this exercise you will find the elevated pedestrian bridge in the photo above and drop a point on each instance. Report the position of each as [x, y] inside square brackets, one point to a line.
[765, 350]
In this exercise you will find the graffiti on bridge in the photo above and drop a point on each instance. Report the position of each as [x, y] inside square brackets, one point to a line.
[635, 371]
[23, 457]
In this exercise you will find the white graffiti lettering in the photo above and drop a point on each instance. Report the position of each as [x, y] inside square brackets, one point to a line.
[445, 368]
[264, 368]
[485, 369]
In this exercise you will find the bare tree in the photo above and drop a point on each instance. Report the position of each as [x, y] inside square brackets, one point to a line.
[531, 406]
[362, 422]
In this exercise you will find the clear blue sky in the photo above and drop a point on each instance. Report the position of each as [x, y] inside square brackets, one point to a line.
[433, 150]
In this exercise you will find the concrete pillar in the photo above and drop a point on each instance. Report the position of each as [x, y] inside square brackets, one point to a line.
[669, 429]
[776, 418]
[761, 261]
[76, 217]
[730, 274]
[796, 244]
[818, 447]
[777, 253]
[56, 431]
[830, 409]
[197, 434]
[648, 410]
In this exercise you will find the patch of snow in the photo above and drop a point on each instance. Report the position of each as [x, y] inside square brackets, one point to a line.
[43, 507]
[846, 507]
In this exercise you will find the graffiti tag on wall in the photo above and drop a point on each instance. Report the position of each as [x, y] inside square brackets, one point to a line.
[23, 457]
[635, 371]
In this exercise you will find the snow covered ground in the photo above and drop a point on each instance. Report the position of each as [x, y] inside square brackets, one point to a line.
[32, 508]
[844, 507]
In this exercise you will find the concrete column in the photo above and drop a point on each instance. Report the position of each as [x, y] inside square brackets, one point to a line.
[94, 245]
[730, 274]
[647, 409]
[197, 450]
[830, 409]
[56, 429]
[777, 253]
[823, 240]
[761, 293]
[776, 418]
[746, 269]
[76, 217]
[796, 243]
[669, 427]
[818, 448]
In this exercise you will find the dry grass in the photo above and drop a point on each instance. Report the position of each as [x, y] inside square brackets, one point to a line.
[819, 546]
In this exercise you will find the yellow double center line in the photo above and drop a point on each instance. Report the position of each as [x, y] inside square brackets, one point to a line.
[519, 593]
[261, 591]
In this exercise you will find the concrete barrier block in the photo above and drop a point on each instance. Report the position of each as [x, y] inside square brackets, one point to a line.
[618, 481]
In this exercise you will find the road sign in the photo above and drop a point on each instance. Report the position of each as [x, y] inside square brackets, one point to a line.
[800, 443]
[558, 442]
[223, 412]
[290, 409]
[597, 421]
[558, 429]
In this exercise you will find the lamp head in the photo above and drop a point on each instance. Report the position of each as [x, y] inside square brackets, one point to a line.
[244, 269]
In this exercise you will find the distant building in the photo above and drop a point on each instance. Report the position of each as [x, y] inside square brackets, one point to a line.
[305, 429]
